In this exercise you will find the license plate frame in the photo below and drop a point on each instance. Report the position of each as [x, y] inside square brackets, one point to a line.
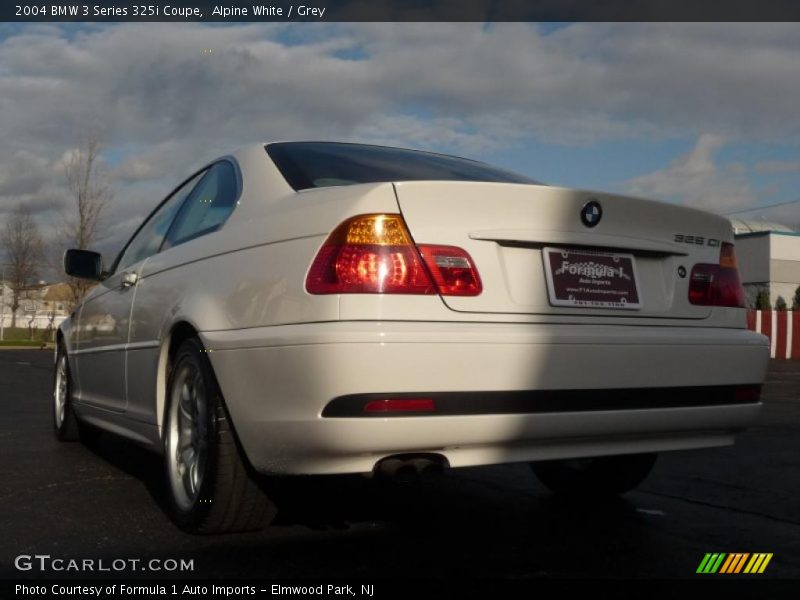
[588, 278]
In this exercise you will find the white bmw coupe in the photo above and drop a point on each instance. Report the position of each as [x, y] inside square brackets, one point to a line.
[322, 308]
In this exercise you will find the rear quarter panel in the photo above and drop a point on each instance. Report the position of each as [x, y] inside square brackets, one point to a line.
[251, 273]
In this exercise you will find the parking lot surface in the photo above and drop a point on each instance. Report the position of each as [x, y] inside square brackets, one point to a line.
[107, 501]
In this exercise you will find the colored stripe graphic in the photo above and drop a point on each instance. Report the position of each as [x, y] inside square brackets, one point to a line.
[703, 563]
[711, 562]
[716, 564]
[758, 563]
[727, 564]
[734, 562]
[740, 564]
[765, 563]
[755, 562]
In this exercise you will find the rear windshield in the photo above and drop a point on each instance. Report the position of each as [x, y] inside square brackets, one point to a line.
[322, 164]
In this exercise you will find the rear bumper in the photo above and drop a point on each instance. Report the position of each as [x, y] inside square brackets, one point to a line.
[277, 382]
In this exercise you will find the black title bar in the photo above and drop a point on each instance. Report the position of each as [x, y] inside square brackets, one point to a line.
[403, 10]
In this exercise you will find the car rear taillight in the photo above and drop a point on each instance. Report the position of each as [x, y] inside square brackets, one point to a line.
[717, 285]
[452, 270]
[374, 254]
[369, 254]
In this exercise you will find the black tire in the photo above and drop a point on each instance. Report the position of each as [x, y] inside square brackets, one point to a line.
[65, 424]
[598, 476]
[228, 497]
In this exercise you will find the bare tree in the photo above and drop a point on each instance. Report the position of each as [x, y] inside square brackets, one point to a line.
[90, 192]
[24, 251]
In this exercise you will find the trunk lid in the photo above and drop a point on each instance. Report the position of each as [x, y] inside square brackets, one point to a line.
[524, 239]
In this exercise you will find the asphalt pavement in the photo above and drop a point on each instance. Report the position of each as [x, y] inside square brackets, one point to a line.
[107, 502]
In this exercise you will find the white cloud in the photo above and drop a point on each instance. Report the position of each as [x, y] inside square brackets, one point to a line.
[769, 167]
[160, 160]
[151, 94]
[426, 133]
[695, 179]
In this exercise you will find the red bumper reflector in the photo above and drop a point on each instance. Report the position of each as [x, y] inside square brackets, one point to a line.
[750, 393]
[400, 405]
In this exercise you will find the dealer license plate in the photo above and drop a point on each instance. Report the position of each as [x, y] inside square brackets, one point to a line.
[591, 279]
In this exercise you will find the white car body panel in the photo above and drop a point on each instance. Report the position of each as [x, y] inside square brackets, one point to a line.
[486, 218]
[279, 379]
[100, 342]
[281, 354]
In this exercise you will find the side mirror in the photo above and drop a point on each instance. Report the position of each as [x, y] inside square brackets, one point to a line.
[84, 264]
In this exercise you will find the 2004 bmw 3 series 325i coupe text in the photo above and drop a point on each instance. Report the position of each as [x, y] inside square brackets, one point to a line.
[323, 308]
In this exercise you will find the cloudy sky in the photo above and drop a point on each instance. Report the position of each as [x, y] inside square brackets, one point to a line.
[706, 115]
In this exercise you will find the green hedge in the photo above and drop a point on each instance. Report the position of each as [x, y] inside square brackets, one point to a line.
[23, 334]
[21, 343]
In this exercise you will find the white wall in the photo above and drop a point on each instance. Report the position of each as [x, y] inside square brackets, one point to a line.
[771, 262]
[753, 254]
[40, 321]
[784, 267]
[785, 247]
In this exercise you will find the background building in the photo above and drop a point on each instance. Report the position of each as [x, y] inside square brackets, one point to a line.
[40, 306]
[769, 259]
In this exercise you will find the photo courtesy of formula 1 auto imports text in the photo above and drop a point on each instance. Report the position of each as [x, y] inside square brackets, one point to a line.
[389, 299]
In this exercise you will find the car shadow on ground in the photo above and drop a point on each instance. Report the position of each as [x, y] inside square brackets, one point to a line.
[441, 501]
[475, 522]
[134, 460]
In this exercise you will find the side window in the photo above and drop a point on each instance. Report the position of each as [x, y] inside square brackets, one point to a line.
[210, 204]
[148, 239]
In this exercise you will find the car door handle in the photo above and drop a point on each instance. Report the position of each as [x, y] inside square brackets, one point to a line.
[129, 279]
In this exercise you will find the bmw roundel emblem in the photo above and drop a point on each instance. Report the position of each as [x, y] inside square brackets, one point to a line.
[591, 213]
